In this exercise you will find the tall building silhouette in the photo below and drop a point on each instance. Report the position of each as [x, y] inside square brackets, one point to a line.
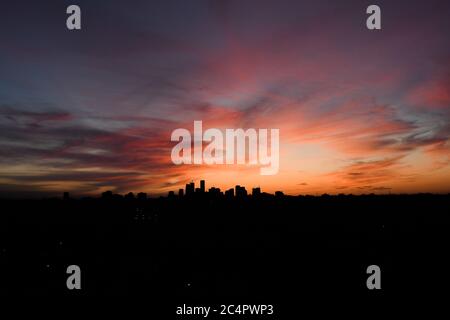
[256, 191]
[229, 193]
[202, 186]
[240, 191]
[190, 188]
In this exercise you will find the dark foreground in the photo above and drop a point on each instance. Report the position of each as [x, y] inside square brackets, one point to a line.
[267, 249]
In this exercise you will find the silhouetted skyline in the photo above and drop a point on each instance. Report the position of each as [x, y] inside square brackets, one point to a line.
[190, 191]
[214, 245]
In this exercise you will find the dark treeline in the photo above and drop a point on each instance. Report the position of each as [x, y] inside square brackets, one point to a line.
[212, 246]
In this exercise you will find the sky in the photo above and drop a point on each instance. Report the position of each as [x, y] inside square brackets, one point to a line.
[358, 111]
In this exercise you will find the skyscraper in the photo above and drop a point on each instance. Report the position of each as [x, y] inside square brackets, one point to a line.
[190, 188]
[229, 193]
[202, 186]
[240, 191]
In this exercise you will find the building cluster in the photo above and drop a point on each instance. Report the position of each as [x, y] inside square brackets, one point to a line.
[108, 195]
[191, 190]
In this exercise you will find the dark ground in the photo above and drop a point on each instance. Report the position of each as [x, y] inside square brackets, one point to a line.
[204, 248]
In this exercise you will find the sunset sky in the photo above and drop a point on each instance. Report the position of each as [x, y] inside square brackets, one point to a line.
[359, 111]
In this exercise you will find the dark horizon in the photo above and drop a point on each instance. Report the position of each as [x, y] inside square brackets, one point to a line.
[213, 248]
[213, 191]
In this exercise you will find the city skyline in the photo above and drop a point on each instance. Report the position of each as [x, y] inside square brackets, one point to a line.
[195, 191]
